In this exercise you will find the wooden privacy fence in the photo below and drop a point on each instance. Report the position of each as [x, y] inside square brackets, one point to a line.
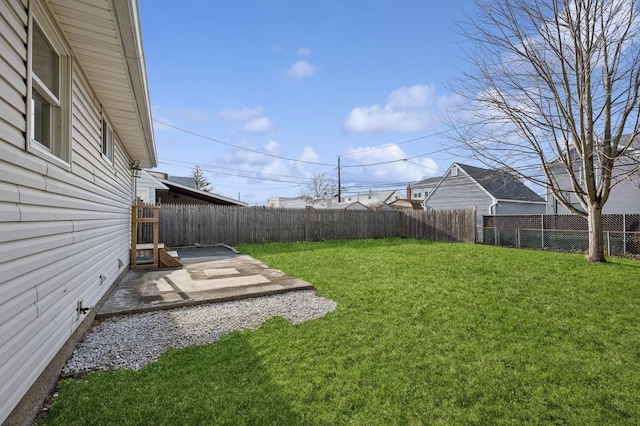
[438, 225]
[206, 224]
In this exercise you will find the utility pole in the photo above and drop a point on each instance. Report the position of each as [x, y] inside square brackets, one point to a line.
[339, 183]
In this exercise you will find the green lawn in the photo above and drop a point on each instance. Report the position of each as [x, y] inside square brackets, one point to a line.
[424, 333]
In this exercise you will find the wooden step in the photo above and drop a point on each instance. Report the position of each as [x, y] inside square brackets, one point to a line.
[148, 246]
[168, 261]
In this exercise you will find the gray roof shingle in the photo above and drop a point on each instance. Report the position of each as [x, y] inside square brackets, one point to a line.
[501, 185]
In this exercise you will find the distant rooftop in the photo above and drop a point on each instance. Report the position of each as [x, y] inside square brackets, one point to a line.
[500, 184]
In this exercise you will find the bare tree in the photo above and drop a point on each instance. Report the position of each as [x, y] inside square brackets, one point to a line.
[553, 94]
[320, 186]
[201, 181]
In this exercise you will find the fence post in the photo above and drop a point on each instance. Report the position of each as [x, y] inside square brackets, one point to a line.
[475, 225]
[624, 233]
[608, 244]
[542, 230]
[495, 235]
[518, 237]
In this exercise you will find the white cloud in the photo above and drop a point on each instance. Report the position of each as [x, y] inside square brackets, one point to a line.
[300, 70]
[272, 146]
[245, 159]
[240, 114]
[258, 164]
[304, 51]
[253, 120]
[257, 125]
[308, 154]
[400, 171]
[408, 109]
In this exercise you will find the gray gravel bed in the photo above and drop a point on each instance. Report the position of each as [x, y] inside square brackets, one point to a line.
[137, 340]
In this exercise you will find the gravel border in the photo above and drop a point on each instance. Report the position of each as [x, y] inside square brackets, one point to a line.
[136, 340]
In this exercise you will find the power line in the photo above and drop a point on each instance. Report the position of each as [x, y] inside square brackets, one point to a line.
[240, 147]
[249, 175]
[381, 163]
[210, 168]
[312, 162]
[443, 133]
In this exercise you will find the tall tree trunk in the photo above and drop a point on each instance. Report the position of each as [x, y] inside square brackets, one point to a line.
[596, 241]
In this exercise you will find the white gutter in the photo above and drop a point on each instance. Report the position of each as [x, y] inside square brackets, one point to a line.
[128, 22]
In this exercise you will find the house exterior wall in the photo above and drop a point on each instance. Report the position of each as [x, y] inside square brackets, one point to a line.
[289, 203]
[509, 207]
[460, 192]
[64, 231]
[146, 186]
[624, 197]
[420, 190]
[371, 198]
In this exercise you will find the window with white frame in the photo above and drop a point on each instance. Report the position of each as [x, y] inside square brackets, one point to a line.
[107, 139]
[50, 86]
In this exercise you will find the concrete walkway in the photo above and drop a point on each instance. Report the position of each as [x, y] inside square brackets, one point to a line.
[210, 274]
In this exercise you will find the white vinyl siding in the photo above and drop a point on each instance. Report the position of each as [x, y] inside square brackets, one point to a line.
[460, 192]
[624, 197]
[509, 208]
[13, 60]
[146, 187]
[60, 227]
[463, 192]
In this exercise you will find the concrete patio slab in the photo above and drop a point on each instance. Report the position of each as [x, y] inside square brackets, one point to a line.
[210, 274]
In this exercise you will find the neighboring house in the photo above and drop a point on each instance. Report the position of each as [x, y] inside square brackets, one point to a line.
[182, 180]
[404, 204]
[492, 192]
[146, 187]
[420, 190]
[368, 199]
[301, 202]
[356, 205]
[373, 197]
[382, 207]
[75, 119]
[160, 188]
[624, 196]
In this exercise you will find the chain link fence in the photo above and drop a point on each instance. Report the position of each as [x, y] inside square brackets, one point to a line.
[621, 233]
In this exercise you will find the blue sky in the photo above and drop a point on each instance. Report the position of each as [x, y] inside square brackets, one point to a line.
[302, 81]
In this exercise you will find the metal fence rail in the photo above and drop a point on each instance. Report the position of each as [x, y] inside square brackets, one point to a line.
[571, 222]
[621, 233]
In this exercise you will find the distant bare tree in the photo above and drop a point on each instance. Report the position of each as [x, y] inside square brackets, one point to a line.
[320, 186]
[553, 94]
